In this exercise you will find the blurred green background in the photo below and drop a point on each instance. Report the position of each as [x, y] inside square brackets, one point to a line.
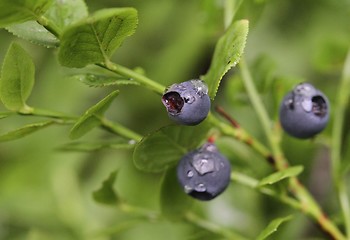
[46, 193]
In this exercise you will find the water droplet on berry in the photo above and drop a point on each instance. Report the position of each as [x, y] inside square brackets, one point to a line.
[307, 105]
[187, 189]
[203, 164]
[190, 174]
[200, 187]
[200, 87]
[188, 98]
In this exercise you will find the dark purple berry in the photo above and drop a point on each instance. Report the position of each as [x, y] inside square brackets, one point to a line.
[188, 102]
[304, 112]
[204, 173]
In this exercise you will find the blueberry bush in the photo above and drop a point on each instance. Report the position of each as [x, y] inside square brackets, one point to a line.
[174, 119]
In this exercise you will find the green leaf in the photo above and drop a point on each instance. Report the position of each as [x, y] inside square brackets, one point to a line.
[95, 146]
[96, 80]
[272, 227]
[227, 54]
[66, 12]
[163, 148]
[24, 131]
[105, 194]
[278, 176]
[94, 39]
[174, 202]
[137, 188]
[18, 11]
[5, 114]
[91, 118]
[33, 32]
[17, 78]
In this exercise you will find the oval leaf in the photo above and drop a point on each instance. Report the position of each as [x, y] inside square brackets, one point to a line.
[94, 39]
[96, 80]
[163, 148]
[18, 11]
[24, 131]
[227, 54]
[272, 227]
[106, 194]
[35, 33]
[137, 188]
[17, 78]
[5, 114]
[66, 12]
[278, 176]
[91, 117]
[174, 203]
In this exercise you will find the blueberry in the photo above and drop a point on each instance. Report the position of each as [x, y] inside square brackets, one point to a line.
[188, 102]
[304, 112]
[204, 173]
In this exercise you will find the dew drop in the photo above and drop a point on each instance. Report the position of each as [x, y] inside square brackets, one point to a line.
[307, 105]
[203, 164]
[188, 98]
[190, 174]
[187, 189]
[200, 187]
[200, 87]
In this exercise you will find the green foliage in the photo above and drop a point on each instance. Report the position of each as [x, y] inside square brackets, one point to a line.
[92, 117]
[33, 32]
[67, 12]
[283, 174]
[139, 152]
[227, 54]
[272, 227]
[98, 80]
[17, 79]
[94, 39]
[174, 202]
[24, 131]
[95, 146]
[106, 194]
[163, 148]
[18, 11]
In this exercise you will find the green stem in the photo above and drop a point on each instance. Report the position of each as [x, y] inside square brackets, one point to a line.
[228, 12]
[51, 114]
[254, 183]
[120, 130]
[262, 115]
[212, 227]
[336, 144]
[239, 134]
[309, 205]
[126, 72]
[50, 26]
[105, 123]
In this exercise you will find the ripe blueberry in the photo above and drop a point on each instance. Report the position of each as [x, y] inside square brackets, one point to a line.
[304, 111]
[188, 102]
[204, 173]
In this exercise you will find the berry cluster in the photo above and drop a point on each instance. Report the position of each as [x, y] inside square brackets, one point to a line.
[204, 173]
